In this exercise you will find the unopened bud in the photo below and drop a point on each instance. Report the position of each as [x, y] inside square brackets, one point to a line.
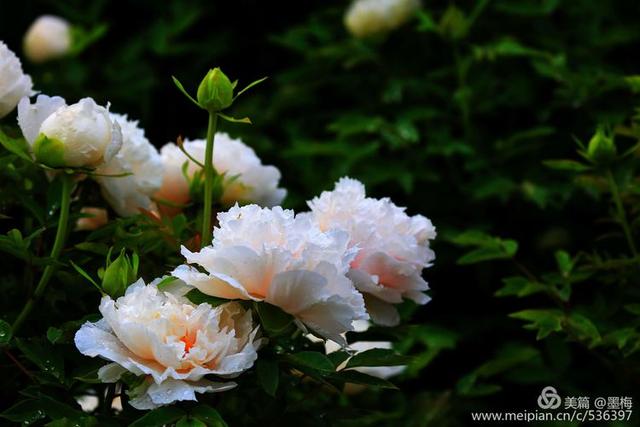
[215, 92]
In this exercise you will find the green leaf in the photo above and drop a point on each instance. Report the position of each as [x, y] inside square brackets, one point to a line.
[312, 359]
[183, 90]
[274, 321]
[54, 334]
[249, 86]
[503, 250]
[43, 354]
[338, 357]
[543, 321]
[26, 412]
[17, 146]
[564, 262]
[197, 297]
[5, 332]
[566, 165]
[377, 357]
[87, 421]
[520, 287]
[159, 417]
[245, 120]
[355, 377]
[210, 416]
[268, 375]
[86, 276]
[583, 328]
[190, 422]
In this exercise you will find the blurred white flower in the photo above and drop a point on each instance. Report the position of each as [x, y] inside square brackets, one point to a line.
[47, 38]
[97, 217]
[247, 180]
[79, 135]
[369, 17]
[271, 255]
[393, 247]
[170, 341]
[128, 194]
[14, 83]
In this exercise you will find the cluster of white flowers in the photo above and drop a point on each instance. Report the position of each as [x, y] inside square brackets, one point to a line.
[171, 342]
[321, 267]
[246, 178]
[271, 255]
[393, 247]
[14, 83]
[370, 17]
[349, 259]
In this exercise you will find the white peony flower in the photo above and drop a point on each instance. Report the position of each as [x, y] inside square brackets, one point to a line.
[171, 341]
[247, 179]
[128, 194]
[14, 83]
[271, 255]
[393, 247]
[78, 135]
[368, 17]
[97, 217]
[49, 37]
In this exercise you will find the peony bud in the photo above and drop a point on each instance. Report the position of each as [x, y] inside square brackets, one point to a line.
[601, 148]
[14, 83]
[366, 18]
[79, 135]
[49, 37]
[215, 92]
[119, 274]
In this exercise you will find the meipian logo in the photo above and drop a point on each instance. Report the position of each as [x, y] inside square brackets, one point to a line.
[549, 398]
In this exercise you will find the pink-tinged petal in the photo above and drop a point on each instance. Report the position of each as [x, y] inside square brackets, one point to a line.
[217, 285]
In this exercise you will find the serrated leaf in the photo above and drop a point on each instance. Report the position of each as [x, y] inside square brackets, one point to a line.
[543, 321]
[520, 287]
[583, 328]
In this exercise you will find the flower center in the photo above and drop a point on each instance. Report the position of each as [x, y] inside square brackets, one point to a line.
[189, 340]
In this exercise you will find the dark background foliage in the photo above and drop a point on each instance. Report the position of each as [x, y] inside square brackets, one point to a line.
[452, 116]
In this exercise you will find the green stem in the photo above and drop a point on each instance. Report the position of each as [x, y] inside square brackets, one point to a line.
[209, 175]
[622, 216]
[63, 222]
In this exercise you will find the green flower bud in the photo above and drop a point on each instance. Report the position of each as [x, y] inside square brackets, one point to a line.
[119, 274]
[49, 151]
[215, 92]
[602, 148]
